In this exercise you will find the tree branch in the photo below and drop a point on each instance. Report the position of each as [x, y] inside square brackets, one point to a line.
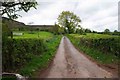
[14, 4]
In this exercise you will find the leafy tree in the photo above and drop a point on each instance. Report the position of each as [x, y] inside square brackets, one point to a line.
[80, 31]
[69, 21]
[11, 7]
[115, 31]
[94, 31]
[87, 30]
[61, 30]
[106, 31]
[55, 29]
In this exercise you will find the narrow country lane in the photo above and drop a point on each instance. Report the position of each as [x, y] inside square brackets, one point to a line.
[70, 63]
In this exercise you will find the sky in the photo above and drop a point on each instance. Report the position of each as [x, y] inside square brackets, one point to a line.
[95, 14]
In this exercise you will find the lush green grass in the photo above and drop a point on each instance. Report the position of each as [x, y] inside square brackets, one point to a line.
[94, 36]
[34, 34]
[93, 52]
[42, 61]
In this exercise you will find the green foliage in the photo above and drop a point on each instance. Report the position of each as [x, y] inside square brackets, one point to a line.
[115, 31]
[94, 31]
[17, 52]
[109, 45]
[27, 53]
[87, 30]
[42, 61]
[6, 31]
[101, 49]
[80, 31]
[103, 42]
[55, 29]
[23, 28]
[69, 21]
[106, 31]
[61, 30]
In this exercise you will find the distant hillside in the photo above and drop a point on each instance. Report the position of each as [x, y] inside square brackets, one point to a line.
[15, 24]
[12, 23]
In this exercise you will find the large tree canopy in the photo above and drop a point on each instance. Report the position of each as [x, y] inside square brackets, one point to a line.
[69, 21]
[10, 8]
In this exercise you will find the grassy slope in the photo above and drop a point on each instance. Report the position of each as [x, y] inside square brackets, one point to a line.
[42, 61]
[94, 53]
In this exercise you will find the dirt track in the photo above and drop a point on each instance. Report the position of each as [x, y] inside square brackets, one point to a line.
[70, 63]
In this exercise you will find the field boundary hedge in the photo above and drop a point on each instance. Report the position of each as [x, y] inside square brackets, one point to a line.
[17, 52]
[101, 50]
[105, 45]
[108, 45]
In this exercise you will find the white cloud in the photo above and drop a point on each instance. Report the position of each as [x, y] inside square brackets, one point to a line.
[95, 14]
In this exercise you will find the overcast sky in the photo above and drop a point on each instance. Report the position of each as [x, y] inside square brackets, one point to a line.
[95, 14]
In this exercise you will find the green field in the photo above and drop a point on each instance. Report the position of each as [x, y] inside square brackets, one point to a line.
[94, 36]
[33, 34]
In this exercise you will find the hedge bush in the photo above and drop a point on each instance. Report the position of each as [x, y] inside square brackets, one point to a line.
[105, 45]
[17, 52]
